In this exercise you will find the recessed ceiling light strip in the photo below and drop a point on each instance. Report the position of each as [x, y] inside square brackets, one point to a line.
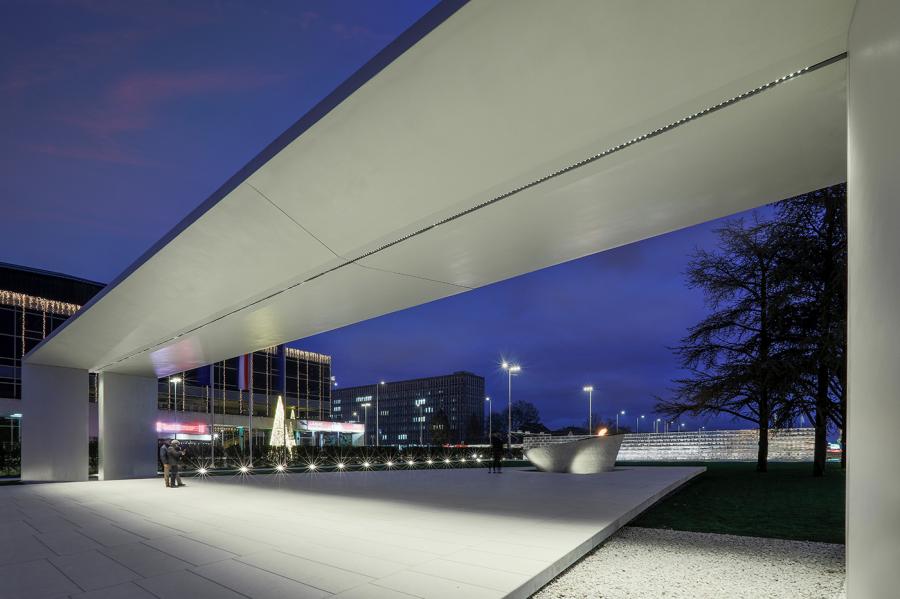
[617, 148]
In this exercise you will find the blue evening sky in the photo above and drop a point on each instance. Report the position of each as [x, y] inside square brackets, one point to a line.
[118, 118]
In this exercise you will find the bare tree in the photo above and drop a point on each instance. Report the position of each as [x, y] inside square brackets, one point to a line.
[812, 229]
[734, 356]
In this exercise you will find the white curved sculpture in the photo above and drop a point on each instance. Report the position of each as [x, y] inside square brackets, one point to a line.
[586, 456]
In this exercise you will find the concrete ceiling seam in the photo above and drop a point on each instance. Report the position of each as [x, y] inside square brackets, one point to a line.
[499, 198]
[291, 218]
[406, 274]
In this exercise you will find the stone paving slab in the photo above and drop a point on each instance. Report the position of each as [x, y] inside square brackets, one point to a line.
[393, 534]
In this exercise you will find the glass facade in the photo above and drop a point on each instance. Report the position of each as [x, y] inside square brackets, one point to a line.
[306, 394]
[436, 410]
[32, 304]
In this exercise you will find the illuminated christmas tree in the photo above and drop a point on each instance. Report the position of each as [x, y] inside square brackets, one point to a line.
[282, 432]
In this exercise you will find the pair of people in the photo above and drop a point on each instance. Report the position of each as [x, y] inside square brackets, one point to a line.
[171, 454]
[496, 453]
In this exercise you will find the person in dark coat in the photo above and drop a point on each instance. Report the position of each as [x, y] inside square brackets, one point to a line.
[496, 452]
[173, 457]
[164, 460]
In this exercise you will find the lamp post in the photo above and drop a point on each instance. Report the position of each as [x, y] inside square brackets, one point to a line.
[617, 419]
[637, 423]
[175, 380]
[356, 415]
[656, 425]
[377, 410]
[590, 392]
[510, 369]
[366, 416]
[488, 400]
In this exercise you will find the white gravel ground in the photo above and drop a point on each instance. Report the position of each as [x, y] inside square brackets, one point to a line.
[654, 563]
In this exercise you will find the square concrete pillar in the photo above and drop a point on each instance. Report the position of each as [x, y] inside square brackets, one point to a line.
[54, 423]
[127, 426]
[873, 444]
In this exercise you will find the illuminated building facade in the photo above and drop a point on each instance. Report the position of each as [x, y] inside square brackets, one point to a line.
[32, 304]
[305, 386]
[215, 395]
[417, 409]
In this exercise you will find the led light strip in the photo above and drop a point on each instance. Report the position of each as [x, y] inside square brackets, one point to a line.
[614, 149]
[593, 158]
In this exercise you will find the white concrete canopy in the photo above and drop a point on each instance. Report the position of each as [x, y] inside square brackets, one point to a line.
[345, 217]
[493, 139]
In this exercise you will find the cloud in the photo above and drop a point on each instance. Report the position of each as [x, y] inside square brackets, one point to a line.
[68, 56]
[90, 152]
[348, 31]
[136, 101]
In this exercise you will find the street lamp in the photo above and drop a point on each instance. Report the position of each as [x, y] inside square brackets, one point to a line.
[656, 425]
[377, 410]
[366, 406]
[175, 380]
[617, 419]
[356, 415]
[590, 392]
[637, 423]
[510, 369]
[488, 400]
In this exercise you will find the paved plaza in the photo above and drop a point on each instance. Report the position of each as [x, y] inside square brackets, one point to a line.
[366, 535]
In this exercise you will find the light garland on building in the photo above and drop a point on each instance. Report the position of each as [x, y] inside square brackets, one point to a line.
[35, 304]
[299, 354]
[31, 302]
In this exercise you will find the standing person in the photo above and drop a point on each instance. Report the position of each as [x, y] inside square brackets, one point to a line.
[182, 460]
[496, 452]
[164, 459]
[173, 456]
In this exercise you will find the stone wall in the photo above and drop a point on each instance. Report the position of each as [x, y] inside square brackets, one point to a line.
[785, 445]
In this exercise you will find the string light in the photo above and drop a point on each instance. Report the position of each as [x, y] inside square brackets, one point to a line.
[31, 302]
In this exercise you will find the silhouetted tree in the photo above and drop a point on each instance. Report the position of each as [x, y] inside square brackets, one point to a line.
[498, 422]
[812, 229]
[734, 355]
[473, 431]
[525, 417]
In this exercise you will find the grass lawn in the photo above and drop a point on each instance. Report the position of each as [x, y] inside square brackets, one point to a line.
[732, 498]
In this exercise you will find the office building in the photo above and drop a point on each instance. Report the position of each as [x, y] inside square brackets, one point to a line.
[436, 410]
[33, 303]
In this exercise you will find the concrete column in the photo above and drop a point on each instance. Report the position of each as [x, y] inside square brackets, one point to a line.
[127, 426]
[54, 423]
[873, 444]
